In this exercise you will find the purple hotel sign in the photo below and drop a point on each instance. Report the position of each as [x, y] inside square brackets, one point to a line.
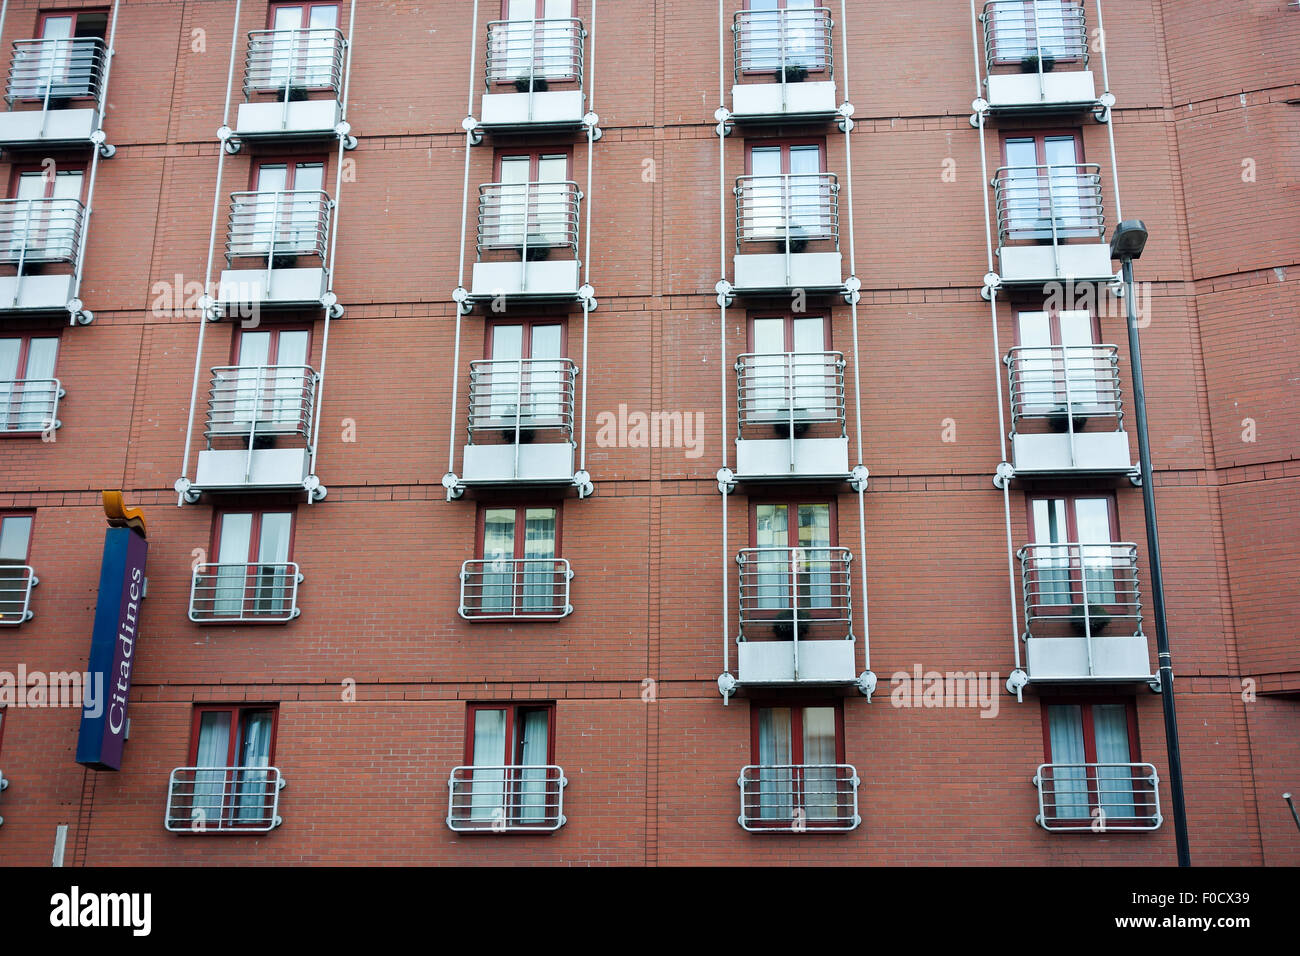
[112, 647]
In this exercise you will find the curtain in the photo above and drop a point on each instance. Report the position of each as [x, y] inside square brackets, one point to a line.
[1114, 784]
[812, 383]
[1051, 565]
[775, 786]
[544, 386]
[230, 585]
[272, 555]
[532, 778]
[252, 799]
[1067, 797]
[207, 805]
[36, 400]
[11, 390]
[487, 799]
[540, 569]
[820, 797]
[287, 384]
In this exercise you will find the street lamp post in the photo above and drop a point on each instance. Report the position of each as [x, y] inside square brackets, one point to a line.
[1126, 245]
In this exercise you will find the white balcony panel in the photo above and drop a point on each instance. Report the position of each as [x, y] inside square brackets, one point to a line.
[295, 118]
[820, 662]
[232, 470]
[752, 100]
[542, 279]
[292, 286]
[1060, 88]
[548, 108]
[808, 270]
[1119, 657]
[49, 293]
[1051, 453]
[1088, 261]
[56, 126]
[813, 457]
[539, 462]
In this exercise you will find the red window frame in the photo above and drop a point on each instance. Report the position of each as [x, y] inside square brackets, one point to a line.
[785, 143]
[514, 714]
[490, 327]
[520, 509]
[789, 318]
[237, 713]
[1053, 321]
[307, 6]
[18, 169]
[237, 339]
[73, 12]
[1040, 138]
[792, 527]
[797, 706]
[1072, 535]
[292, 162]
[534, 154]
[540, 7]
[1144, 808]
[20, 373]
[1028, 4]
[255, 528]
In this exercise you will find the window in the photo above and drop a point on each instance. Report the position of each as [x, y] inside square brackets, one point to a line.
[789, 371]
[527, 377]
[519, 545]
[303, 50]
[545, 51]
[784, 187]
[267, 392]
[1048, 191]
[1021, 29]
[28, 390]
[45, 223]
[1043, 368]
[287, 215]
[254, 578]
[796, 749]
[1091, 745]
[231, 748]
[533, 201]
[60, 65]
[15, 575]
[793, 542]
[774, 27]
[511, 750]
[1064, 573]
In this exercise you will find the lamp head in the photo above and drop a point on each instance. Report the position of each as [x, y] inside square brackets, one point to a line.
[1129, 240]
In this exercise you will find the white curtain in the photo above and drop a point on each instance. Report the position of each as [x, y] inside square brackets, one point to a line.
[272, 555]
[1069, 790]
[253, 794]
[232, 565]
[819, 786]
[207, 807]
[532, 779]
[487, 799]
[775, 786]
[540, 573]
[1114, 784]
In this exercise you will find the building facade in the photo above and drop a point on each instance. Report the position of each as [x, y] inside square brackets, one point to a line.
[718, 448]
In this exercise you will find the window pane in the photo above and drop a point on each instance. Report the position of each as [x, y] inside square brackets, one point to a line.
[209, 800]
[540, 572]
[775, 783]
[533, 753]
[252, 791]
[773, 572]
[819, 788]
[487, 786]
[15, 533]
[1093, 518]
[1114, 784]
[1069, 794]
[499, 551]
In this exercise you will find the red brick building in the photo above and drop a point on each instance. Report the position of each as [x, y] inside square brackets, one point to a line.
[447, 576]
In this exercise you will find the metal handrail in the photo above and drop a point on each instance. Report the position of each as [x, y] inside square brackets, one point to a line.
[1083, 585]
[506, 798]
[1015, 30]
[30, 404]
[278, 222]
[790, 389]
[16, 583]
[819, 576]
[40, 230]
[1048, 201]
[787, 207]
[248, 401]
[521, 394]
[236, 593]
[1098, 797]
[528, 216]
[542, 49]
[799, 798]
[1064, 381]
[56, 69]
[298, 59]
[768, 41]
[223, 800]
[515, 589]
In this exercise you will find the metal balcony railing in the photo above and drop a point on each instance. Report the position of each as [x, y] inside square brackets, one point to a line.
[783, 42]
[515, 588]
[528, 216]
[53, 70]
[790, 390]
[1101, 797]
[278, 223]
[518, 396]
[289, 61]
[1040, 33]
[16, 583]
[818, 578]
[223, 800]
[790, 208]
[40, 230]
[799, 798]
[1049, 202]
[252, 401]
[525, 51]
[253, 592]
[1087, 587]
[30, 404]
[1064, 383]
[506, 798]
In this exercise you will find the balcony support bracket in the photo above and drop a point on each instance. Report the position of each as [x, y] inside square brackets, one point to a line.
[229, 141]
[852, 290]
[727, 687]
[1135, 477]
[453, 485]
[186, 492]
[587, 296]
[866, 684]
[472, 129]
[1004, 475]
[992, 282]
[859, 478]
[1104, 102]
[979, 112]
[315, 490]
[723, 116]
[845, 113]
[591, 123]
[1017, 681]
[78, 314]
[725, 295]
[582, 481]
[460, 295]
[726, 481]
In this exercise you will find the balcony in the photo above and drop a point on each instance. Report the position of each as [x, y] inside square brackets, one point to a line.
[1051, 224]
[515, 589]
[16, 583]
[259, 428]
[1098, 797]
[799, 798]
[53, 93]
[512, 798]
[520, 422]
[803, 641]
[30, 406]
[1067, 412]
[524, 232]
[779, 218]
[287, 231]
[783, 65]
[40, 242]
[790, 416]
[227, 800]
[1036, 56]
[525, 59]
[252, 593]
[1083, 613]
[292, 84]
